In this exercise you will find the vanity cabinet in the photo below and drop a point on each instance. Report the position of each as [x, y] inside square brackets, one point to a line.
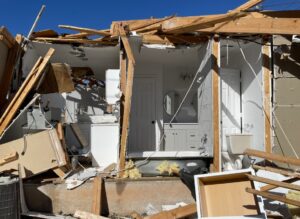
[182, 137]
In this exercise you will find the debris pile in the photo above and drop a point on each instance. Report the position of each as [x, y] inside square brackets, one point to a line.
[80, 115]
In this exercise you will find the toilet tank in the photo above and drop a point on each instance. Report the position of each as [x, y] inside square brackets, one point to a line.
[238, 143]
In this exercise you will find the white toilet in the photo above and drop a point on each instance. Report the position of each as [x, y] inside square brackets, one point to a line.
[233, 149]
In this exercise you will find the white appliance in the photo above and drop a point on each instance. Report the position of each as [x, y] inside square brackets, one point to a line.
[112, 85]
[104, 144]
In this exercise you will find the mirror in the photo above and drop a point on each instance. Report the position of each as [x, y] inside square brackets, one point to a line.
[171, 102]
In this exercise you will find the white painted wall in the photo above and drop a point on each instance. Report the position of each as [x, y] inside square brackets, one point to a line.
[82, 103]
[252, 99]
[169, 66]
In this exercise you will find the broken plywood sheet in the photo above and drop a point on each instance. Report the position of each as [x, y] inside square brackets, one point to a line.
[223, 195]
[36, 153]
[57, 79]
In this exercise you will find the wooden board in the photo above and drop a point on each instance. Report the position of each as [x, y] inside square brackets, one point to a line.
[97, 195]
[266, 57]
[216, 104]
[180, 212]
[223, 194]
[273, 157]
[37, 153]
[126, 117]
[24, 90]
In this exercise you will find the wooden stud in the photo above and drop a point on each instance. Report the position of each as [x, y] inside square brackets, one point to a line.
[270, 187]
[273, 157]
[266, 56]
[86, 30]
[23, 91]
[126, 117]
[274, 182]
[97, 195]
[216, 104]
[180, 212]
[273, 197]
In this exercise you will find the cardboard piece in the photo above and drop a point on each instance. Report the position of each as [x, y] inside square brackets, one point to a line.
[37, 153]
[223, 195]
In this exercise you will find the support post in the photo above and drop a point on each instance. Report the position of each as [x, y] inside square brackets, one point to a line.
[266, 56]
[216, 104]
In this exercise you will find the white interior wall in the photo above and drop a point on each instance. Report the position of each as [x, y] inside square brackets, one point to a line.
[81, 103]
[169, 65]
[251, 86]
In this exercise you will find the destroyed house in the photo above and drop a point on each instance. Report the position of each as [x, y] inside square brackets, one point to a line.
[147, 98]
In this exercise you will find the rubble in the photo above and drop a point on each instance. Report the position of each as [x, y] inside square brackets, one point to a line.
[115, 123]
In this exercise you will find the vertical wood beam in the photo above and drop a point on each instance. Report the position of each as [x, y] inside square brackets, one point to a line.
[126, 117]
[216, 104]
[266, 67]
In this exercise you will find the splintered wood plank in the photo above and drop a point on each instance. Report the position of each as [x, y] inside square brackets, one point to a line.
[273, 197]
[216, 104]
[86, 30]
[266, 56]
[180, 212]
[23, 91]
[126, 117]
[274, 182]
[273, 157]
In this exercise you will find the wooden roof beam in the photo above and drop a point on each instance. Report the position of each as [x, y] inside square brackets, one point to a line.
[263, 25]
[203, 23]
[86, 30]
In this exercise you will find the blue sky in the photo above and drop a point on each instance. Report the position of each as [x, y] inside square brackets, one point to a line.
[18, 16]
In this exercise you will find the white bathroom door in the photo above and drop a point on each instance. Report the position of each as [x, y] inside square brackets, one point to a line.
[230, 104]
[143, 115]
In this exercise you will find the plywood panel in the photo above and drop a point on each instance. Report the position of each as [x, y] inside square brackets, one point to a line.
[228, 198]
[36, 153]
